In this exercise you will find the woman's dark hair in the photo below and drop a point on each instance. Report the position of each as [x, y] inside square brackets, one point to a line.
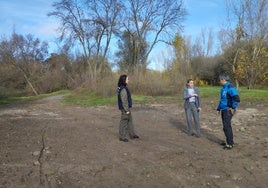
[189, 80]
[122, 80]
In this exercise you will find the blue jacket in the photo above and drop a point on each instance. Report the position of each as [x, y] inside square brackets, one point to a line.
[229, 97]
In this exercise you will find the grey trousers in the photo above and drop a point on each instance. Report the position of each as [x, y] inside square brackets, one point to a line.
[192, 113]
[126, 126]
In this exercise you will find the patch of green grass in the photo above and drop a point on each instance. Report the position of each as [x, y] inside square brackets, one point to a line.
[86, 97]
[141, 98]
[10, 100]
[255, 94]
[244, 93]
[153, 99]
[209, 91]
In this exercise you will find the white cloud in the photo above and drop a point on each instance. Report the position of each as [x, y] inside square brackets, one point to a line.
[49, 28]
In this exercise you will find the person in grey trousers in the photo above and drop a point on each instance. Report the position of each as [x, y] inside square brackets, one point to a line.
[192, 107]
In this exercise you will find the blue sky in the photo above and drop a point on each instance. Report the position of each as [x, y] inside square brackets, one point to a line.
[203, 14]
[30, 17]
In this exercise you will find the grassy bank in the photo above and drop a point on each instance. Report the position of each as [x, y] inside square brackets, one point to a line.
[86, 97]
[11, 100]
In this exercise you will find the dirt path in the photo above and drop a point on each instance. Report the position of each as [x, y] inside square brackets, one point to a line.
[48, 144]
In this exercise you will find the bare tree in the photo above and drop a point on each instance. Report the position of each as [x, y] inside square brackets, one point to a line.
[89, 24]
[203, 44]
[26, 54]
[150, 22]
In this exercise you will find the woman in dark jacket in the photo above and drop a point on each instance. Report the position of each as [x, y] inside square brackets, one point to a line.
[192, 106]
[124, 104]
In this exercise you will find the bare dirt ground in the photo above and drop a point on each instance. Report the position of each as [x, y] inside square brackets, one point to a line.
[48, 144]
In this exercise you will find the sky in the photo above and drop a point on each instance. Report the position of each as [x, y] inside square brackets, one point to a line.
[30, 17]
[202, 14]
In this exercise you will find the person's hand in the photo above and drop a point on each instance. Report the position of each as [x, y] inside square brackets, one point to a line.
[127, 112]
[232, 111]
[194, 95]
[218, 112]
[199, 109]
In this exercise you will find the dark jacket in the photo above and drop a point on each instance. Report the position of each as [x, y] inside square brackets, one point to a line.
[229, 97]
[124, 98]
[186, 98]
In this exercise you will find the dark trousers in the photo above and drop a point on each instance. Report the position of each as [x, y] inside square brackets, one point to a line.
[226, 116]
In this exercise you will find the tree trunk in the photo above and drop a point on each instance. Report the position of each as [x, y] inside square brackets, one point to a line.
[30, 84]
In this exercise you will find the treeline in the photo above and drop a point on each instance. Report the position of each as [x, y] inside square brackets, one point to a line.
[86, 56]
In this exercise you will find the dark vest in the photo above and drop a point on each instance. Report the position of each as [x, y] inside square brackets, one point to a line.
[120, 104]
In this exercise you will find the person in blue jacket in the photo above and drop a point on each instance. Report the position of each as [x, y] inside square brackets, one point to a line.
[229, 101]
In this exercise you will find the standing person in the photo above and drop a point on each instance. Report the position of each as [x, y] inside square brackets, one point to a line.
[229, 101]
[124, 104]
[192, 106]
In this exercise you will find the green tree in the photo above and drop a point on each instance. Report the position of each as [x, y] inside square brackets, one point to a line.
[180, 68]
[246, 39]
[131, 53]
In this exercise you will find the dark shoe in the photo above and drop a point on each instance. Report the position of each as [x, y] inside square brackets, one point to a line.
[135, 136]
[227, 146]
[123, 139]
